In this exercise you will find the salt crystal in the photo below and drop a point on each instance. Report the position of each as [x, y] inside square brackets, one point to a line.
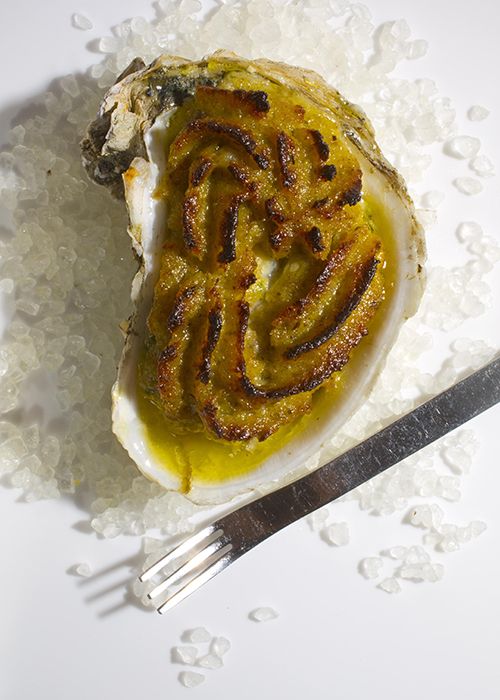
[196, 636]
[336, 534]
[462, 147]
[468, 231]
[398, 552]
[184, 655]
[210, 661]
[432, 199]
[390, 585]
[477, 527]
[220, 646]
[370, 567]
[482, 166]
[416, 49]
[468, 185]
[477, 113]
[70, 85]
[262, 614]
[190, 679]
[81, 22]
[317, 519]
[83, 569]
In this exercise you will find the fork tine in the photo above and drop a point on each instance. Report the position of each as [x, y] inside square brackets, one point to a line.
[192, 563]
[220, 561]
[178, 551]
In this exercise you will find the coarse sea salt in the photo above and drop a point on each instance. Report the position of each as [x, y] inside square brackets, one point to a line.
[263, 614]
[462, 147]
[477, 113]
[468, 185]
[482, 166]
[196, 636]
[184, 654]
[190, 679]
[68, 280]
[81, 22]
[336, 534]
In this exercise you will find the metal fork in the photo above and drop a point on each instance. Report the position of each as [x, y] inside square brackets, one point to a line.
[210, 550]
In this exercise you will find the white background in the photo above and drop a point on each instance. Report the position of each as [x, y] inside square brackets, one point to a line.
[337, 635]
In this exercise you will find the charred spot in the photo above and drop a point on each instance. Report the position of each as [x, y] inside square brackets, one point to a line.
[228, 231]
[213, 335]
[262, 160]
[239, 174]
[352, 195]
[258, 99]
[286, 158]
[299, 111]
[364, 280]
[200, 171]
[168, 354]
[315, 240]
[232, 131]
[320, 144]
[248, 280]
[274, 211]
[328, 172]
[176, 317]
[320, 203]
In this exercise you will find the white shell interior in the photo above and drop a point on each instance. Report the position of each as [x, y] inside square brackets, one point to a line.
[147, 226]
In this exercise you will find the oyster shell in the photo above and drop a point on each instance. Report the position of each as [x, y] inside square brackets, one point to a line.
[279, 255]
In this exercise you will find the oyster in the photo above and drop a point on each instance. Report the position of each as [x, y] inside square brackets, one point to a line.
[279, 255]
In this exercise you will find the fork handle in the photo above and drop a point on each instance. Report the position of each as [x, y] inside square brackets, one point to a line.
[260, 519]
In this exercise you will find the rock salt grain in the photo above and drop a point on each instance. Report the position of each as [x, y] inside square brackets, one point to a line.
[262, 614]
[211, 661]
[83, 569]
[390, 585]
[220, 646]
[196, 636]
[477, 113]
[371, 567]
[190, 679]
[336, 534]
[81, 22]
[467, 185]
[184, 655]
[462, 147]
[482, 166]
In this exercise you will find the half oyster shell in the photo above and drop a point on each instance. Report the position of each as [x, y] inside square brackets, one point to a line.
[279, 255]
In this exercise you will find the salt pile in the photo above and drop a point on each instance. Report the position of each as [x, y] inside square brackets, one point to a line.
[66, 271]
[215, 648]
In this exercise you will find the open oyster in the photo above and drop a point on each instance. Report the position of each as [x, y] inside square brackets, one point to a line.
[279, 255]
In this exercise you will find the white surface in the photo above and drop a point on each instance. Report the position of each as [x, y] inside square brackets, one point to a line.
[336, 636]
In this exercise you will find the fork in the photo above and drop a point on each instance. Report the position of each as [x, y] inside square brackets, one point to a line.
[209, 551]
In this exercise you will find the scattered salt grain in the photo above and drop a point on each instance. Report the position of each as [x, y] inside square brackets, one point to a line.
[432, 199]
[390, 585]
[83, 569]
[482, 166]
[336, 534]
[263, 614]
[317, 519]
[462, 147]
[196, 636]
[184, 655]
[468, 185]
[416, 49]
[370, 567]
[190, 679]
[398, 552]
[477, 113]
[211, 661]
[220, 646]
[81, 22]
[468, 231]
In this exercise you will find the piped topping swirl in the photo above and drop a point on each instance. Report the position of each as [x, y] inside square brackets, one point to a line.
[271, 271]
